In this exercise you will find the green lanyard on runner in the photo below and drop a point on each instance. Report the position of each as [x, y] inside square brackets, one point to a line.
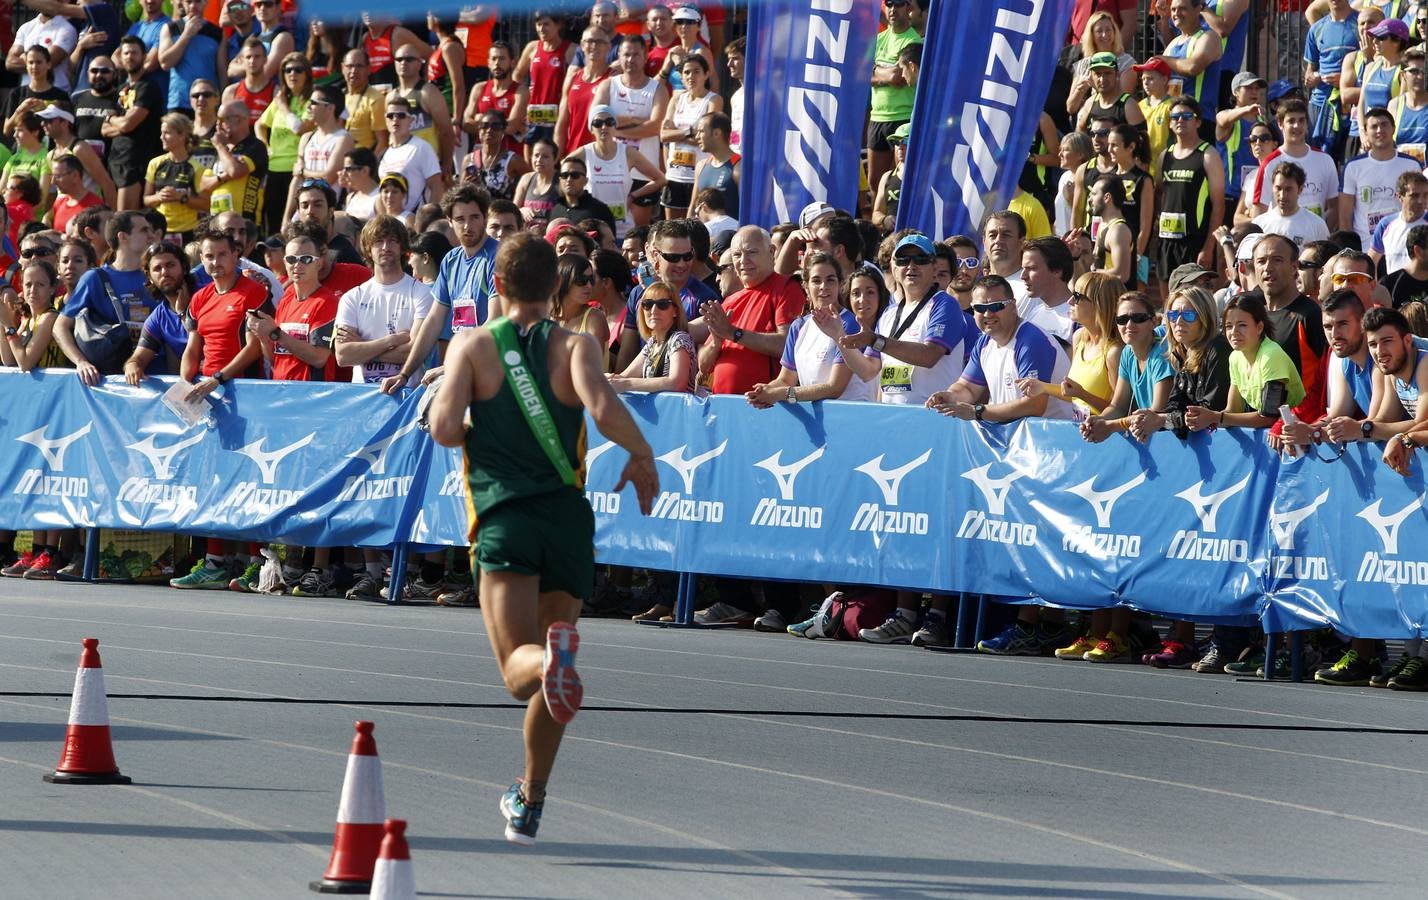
[528, 397]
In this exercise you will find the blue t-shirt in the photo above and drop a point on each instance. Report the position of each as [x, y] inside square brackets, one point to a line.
[163, 334]
[1325, 47]
[103, 18]
[90, 293]
[199, 60]
[465, 285]
[1034, 353]
[149, 33]
[1143, 381]
[1359, 380]
[693, 295]
[850, 326]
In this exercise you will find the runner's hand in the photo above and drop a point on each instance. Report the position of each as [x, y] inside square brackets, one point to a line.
[640, 471]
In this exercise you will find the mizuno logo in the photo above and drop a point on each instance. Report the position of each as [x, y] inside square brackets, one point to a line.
[268, 460]
[786, 474]
[594, 453]
[1104, 501]
[162, 458]
[687, 467]
[994, 490]
[889, 481]
[376, 452]
[1207, 506]
[1387, 526]
[1284, 524]
[52, 450]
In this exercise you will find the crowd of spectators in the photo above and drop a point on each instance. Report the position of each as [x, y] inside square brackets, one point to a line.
[1190, 247]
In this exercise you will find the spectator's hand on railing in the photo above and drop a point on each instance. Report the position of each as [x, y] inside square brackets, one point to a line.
[133, 372]
[88, 374]
[433, 374]
[1144, 423]
[764, 396]
[393, 383]
[1198, 418]
[201, 390]
[1397, 455]
[944, 403]
[1299, 434]
[1096, 429]
[1342, 429]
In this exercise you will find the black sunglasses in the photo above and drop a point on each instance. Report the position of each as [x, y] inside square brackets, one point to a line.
[288, 70]
[1260, 138]
[676, 257]
[408, 59]
[661, 305]
[582, 279]
[32, 252]
[912, 259]
[1138, 318]
[603, 123]
[202, 95]
[572, 174]
[1305, 265]
[987, 309]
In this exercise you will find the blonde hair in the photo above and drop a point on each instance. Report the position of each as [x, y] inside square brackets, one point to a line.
[1088, 39]
[183, 125]
[1104, 290]
[681, 320]
[1188, 357]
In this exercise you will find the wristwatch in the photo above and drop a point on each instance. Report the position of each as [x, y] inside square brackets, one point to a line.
[274, 334]
[738, 335]
[11, 332]
[978, 411]
[1407, 441]
[1318, 435]
[879, 342]
[220, 377]
[1366, 426]
[792, 395]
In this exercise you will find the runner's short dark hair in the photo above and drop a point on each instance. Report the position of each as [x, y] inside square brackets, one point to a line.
[527, 267]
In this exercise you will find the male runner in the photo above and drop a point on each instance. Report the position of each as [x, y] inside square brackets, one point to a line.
[532, 527]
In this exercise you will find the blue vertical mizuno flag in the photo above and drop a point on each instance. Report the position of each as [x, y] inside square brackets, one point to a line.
[809, 64]
[986, 69]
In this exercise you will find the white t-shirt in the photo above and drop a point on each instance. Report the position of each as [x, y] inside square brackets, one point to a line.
[1054, 320]
[416, 162]
[1321, 179]
[1372, 183]
[362, 207]
[375, 310]
[1018, 287]
[1390, 238]
[941, 322]
[736, 121]
[57, 32]
[1301, 228]
[1029, 354]
[720, 224]
[1063, 206]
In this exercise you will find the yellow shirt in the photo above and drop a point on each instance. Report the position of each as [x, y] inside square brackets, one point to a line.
[366, 116]
[1157, 129]
[1088, 369]
[1031, 212]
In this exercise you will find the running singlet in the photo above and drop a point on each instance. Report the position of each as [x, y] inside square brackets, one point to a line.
[379, 55]
[637, 102]
[547, 78]
[610, 183]
[720, 177]
[256, 102]
[1185, 196]
[1407, 391]
[488, 100]
[1115, 110]
[577, 100]
[683, 157]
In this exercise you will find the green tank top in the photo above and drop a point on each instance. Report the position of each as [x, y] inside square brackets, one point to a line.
[504, 462]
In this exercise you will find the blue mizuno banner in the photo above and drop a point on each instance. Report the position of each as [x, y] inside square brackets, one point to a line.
[986, 70]
[1216, 528]
[809, 67]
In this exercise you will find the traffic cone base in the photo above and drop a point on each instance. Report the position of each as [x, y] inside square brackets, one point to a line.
[82, 778]
[340, 887]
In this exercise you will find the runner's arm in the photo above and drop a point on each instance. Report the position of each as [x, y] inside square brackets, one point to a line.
[613, 419]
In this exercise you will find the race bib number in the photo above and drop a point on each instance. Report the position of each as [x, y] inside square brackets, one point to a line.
[618, 211]
[1247, 174]
[375, 372]
[221, 203]
[1375, 217]
[298, 331]
[897, 379]
[542, 114]
[137, 314]
[681, 159]
[1172, 226]
[463, 314]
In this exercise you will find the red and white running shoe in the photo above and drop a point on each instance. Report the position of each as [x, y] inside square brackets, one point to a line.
[559, 682]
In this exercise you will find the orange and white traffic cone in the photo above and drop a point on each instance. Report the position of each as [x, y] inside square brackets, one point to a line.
[88, 755]
[394, 879]
[359, 821]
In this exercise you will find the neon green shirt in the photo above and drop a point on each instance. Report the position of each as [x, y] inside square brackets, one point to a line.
[893, 104]
[1271, 363]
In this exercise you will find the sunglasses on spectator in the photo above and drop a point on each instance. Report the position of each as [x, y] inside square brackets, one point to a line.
[987, 309]
[261, 3]
[1305, 265]
[397, 116]
[1137, 318]
[1183, 117]
[202, 95]
[32, 252]
[676, 257]
[1343, 278]
[661, 305]
[1100, 132]
[895, 4]
[1260, 138]
[1188, 316]
[572, 174]
[352, 168]
[582, 279]
[1077, 297]
[912, 259]
[303, 260]
[970, 262]
[317, 101]
[288, 70]
[95, 70]
[603, 123]
[408, 59]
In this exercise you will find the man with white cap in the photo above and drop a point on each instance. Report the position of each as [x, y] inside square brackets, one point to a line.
[1239, 255]
[58, 123]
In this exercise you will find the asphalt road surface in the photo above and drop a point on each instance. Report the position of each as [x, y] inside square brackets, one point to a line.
[728, 764]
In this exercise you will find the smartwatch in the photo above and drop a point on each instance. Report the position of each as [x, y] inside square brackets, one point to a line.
[879, 342]
[978, 411]
[1366, 426]
[738, 335]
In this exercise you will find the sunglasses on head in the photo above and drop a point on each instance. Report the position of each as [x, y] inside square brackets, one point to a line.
[676, 257]
[603, 123]
[987, 309]
[313, 183]
[572, 174]
[1188, 316]
[303, 260]
[661, 305]
[1137, 318]
[32, 252]
[912, 259]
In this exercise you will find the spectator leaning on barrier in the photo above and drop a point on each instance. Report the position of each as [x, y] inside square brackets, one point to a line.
[164, 335]
[1047, 268]
[1096, 347]
[119, 282]
[666, 362]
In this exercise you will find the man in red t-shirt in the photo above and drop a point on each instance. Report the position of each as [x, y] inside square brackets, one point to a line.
[751, 326]
[218, 345]
[74, 198]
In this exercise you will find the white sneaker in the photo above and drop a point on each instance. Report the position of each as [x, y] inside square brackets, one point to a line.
[896, 630]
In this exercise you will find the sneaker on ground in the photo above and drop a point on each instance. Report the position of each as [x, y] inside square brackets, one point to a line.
[722, 613]
[419, 591]
[1015, 640]
[1111, 648]
[205, 577]
[19, 567]
[365, 588]
[1413, 677]
[72, 572]
[811, 628]
[43, 568]
[896, 630]
[292, 575]
[933, 633]
[1077, 649]
[313, 583]
[1351, 670]
[1212, 663]
[771, 620]
[522, 818]
[247, 583]
[1382, 678]
[462, 596]
[1249, 665]
[559, 681]
[1171, 655]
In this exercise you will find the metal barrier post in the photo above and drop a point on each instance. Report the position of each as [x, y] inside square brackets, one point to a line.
[399, 572]
[981, 617]
[1296, 656]
[1269, 641]
[964, 622]
[684, 600]
[91, 554]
